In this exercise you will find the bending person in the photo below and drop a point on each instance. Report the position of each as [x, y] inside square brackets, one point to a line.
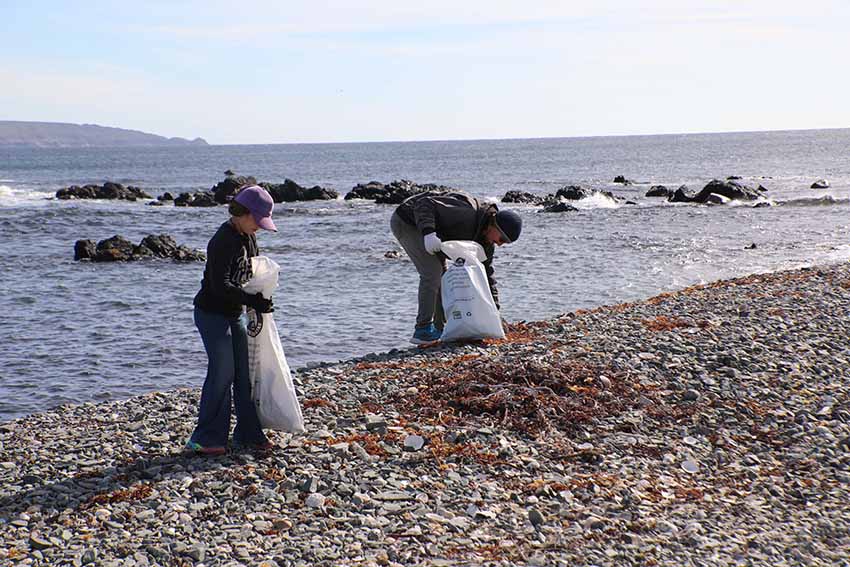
[423, 221]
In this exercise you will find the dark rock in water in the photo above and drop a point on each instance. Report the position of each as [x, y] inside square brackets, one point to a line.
[196, 199]
[224, 191]
[729, 189]
[119, 249]
[522, 197]
[115, 249]
[203, 200]
[752, 246]
[108, 190]
[84, 250]
[733, 177]
[155, 203]
[183, 199]
[762, 205]
[559, 207]
[229, 173]
[621, 179]
[761, 188]
[290, 191]
[393, 193]
[573, 193]
[681, 195]
[392, 254]
[658, 191]
[820, 184]
[165, 197]
[369, 191]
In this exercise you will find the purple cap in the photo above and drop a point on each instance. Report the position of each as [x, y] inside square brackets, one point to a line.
[260, 203]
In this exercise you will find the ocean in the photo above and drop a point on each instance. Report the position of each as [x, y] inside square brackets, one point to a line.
[76, 331]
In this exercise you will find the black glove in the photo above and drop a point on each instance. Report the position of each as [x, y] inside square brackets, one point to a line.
[259, 303]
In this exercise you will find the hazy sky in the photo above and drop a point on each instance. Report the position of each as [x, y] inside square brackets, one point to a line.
[278, 71]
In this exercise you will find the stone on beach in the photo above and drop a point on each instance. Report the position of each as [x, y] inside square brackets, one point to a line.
[719, 435]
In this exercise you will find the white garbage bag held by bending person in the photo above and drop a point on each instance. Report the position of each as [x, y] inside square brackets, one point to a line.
[468, 303]
[271, 381]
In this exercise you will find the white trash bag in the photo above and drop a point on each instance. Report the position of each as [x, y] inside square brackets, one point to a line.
[470, 310]
[271, 381]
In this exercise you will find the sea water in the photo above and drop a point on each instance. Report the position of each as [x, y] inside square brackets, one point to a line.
[78, 331]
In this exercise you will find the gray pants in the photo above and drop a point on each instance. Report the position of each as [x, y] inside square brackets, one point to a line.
[430, 268]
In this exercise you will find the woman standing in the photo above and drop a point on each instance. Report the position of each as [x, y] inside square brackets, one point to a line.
[221, 321]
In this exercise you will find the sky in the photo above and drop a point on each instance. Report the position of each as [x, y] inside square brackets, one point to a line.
[256, 72]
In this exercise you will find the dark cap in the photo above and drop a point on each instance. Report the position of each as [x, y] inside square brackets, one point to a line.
[509, 224]
[260, 203]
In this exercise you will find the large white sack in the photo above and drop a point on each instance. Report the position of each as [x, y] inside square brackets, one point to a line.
[271, 381]
[470, 310]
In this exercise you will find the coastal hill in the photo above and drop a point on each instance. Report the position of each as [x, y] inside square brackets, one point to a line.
[64, 135]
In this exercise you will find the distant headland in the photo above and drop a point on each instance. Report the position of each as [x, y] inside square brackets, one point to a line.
[64, 135]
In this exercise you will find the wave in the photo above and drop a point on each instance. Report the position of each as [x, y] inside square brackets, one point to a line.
[11, 196]
[825, 201]
[597, 201]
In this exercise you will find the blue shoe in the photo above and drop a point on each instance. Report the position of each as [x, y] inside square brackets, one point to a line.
[425, 335]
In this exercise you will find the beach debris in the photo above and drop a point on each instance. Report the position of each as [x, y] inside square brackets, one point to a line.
[820, 184]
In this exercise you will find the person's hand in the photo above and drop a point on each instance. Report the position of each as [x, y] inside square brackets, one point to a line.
[432, 243]
[259, 303]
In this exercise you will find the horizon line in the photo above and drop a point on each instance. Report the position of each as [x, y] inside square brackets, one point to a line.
[525, 138]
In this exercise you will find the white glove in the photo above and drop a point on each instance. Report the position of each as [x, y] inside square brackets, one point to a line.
[432, 243]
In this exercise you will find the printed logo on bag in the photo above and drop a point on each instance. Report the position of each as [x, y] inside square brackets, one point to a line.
[457, 314]
[460, 262]
[255, 322]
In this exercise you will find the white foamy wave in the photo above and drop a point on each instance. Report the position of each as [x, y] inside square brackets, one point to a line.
[824, 201]
[596, 201]
[10, 196]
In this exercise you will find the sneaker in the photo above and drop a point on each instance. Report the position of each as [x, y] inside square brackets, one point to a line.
[199, 449]
[425, 335]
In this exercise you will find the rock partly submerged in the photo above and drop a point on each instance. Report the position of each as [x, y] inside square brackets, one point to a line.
[119, 249]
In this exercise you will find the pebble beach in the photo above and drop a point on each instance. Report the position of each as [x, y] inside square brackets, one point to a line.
[708, 426]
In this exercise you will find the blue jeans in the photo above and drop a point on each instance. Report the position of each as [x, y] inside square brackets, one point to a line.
[226, 342]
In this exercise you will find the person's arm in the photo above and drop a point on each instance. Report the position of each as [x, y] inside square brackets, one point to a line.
[424, 213]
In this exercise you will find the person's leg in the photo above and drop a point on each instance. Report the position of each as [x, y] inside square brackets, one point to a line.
[247, 431]
[214, 411]
[429, 266]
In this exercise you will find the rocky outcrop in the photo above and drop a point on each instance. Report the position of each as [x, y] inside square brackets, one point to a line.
[820, 184]
[559, 207]
[717, 192]
[290, 191]
[370, 191]
[108, 190]
[196, 199]
[659, 191]
[393, 193]
[622, 180]
[523, 197]
[729, 189]
[119, 249]
[223, 191]
[681, 195]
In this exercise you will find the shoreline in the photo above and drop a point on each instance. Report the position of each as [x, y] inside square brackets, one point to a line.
[706, 426]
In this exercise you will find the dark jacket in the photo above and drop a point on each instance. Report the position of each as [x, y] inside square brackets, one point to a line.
[228, 268]
[453, 216]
